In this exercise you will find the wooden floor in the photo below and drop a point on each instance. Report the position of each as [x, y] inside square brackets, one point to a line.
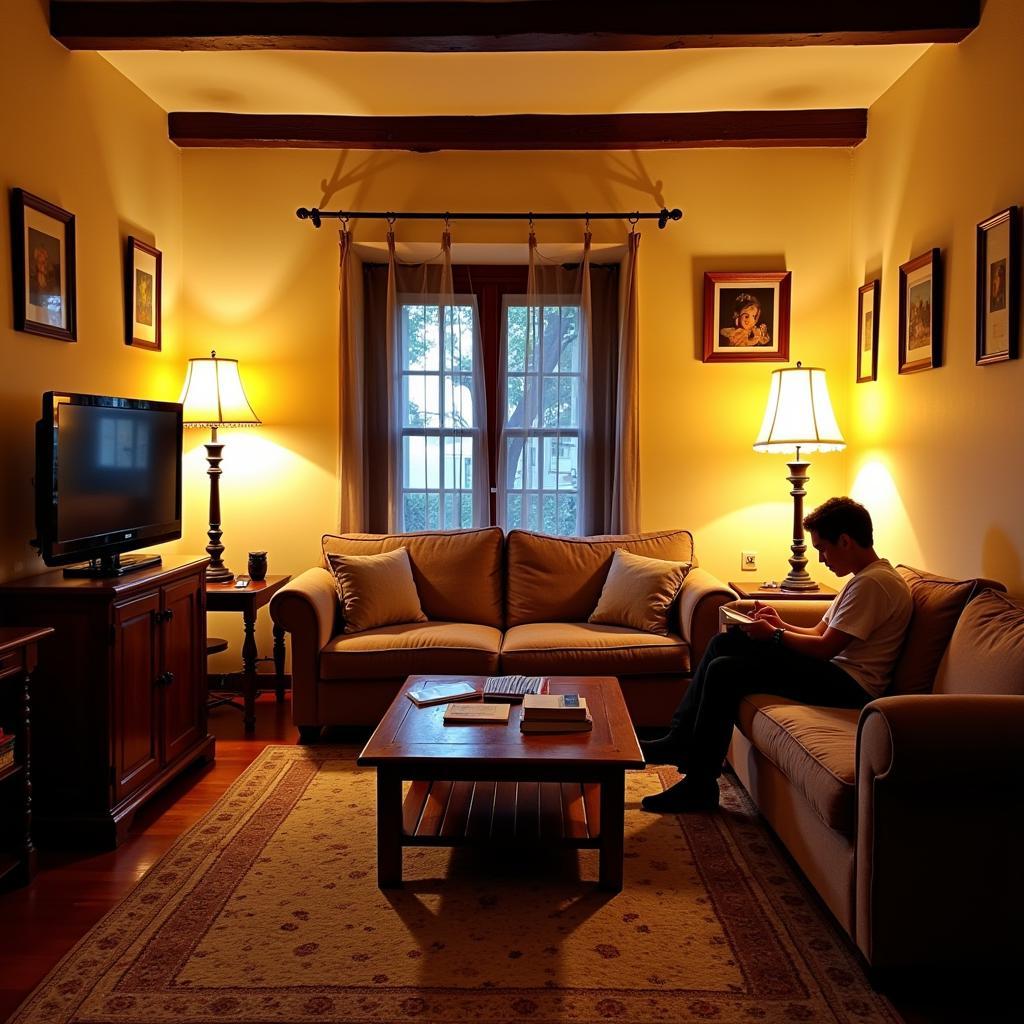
[41, 922]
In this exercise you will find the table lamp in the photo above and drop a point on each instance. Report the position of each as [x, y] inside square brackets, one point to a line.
[799, 416]
[213, 397]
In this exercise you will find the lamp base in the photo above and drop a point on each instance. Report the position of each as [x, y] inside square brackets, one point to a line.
[794, 583]
[219, 574]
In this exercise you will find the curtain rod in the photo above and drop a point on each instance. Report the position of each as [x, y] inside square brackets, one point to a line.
[316, 216]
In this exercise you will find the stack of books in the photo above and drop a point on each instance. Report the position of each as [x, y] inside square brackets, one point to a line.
[555, 712]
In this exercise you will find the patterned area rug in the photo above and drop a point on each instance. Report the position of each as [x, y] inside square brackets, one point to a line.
[268, 910]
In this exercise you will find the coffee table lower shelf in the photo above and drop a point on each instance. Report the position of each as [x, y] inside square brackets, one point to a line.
[466, 813]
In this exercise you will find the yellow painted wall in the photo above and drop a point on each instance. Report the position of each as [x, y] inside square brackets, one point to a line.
[936, 454]
[76, 133]
[262, 286]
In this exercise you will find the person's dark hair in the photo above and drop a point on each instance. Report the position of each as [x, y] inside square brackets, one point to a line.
[743, 300]
[841, 515]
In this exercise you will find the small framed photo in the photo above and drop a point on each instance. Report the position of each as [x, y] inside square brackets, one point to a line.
[746, 317]
[920, 340]
[867, 331]
[43, 264]
[998, 287]
[142, 272]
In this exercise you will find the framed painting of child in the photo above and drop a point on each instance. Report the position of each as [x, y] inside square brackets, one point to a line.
[746, 316]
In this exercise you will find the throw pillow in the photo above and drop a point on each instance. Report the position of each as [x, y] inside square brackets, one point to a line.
[376, 590]
[938, 603]
[639, 592]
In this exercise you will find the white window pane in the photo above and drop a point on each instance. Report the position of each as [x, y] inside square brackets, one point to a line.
[458, 402]
[514, 509]
[568, 401]
[561, 463]
[420, 337]
[458, 338]
[533, 513]
[516, 387]
[515, 326]
[421, 462]
[458, 462]
[414, 511]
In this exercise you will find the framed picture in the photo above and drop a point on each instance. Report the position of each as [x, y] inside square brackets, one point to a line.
[920, 341]
[142, 272]
[746, 317]
[998, 287]
[867, 331]
[43, 264]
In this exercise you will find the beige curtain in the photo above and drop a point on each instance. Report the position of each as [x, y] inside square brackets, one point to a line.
[623, 515]
[351, 385]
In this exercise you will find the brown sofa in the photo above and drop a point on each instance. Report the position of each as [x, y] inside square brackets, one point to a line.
[907, 816]
[495, 604]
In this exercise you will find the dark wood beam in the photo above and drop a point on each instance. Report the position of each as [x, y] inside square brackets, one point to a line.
[506, 25]
[522, 131]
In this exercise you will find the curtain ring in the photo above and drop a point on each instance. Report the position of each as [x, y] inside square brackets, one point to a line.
[344, 222]
[634, 219]
[529, 217]
[586, 223]
[390, 218]
[447, 221]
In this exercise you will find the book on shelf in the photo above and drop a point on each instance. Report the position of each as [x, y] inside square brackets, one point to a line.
[6, 750]
[559, 707]
[474, 714]
[513, 688]
[441, 692]
[547, 725]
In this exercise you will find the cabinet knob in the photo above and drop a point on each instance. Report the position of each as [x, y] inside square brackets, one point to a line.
[165, 679]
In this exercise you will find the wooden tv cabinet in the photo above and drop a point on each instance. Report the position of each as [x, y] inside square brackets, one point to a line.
[119, 701]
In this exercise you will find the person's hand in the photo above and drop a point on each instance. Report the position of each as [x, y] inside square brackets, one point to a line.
[759, 629]
[768, 614]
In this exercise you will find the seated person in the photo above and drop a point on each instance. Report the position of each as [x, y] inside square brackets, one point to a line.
[844, 661]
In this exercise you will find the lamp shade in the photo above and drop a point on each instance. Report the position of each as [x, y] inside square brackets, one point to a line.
[213, 395]
[799, 413]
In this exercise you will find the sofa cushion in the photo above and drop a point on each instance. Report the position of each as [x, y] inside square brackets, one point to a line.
[459, 574]
[589, 649]
[559, 579]
[986, 652]
[938, 603]
[639, 591]
[815, 748]
[410, 649]
[376, 590]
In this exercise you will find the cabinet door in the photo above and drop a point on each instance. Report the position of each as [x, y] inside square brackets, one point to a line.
[184, 657]
[135, 693]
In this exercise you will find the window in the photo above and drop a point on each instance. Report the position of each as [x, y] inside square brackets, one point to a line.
[441, 428]
[512, 416]
[539, 467]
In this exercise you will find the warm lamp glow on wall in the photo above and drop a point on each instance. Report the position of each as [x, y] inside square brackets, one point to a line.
[213, 397]
[799, 416]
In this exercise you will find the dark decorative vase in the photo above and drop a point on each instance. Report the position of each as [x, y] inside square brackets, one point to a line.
[257, 565]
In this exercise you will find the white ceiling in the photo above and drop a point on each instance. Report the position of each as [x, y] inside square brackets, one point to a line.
[367, 84]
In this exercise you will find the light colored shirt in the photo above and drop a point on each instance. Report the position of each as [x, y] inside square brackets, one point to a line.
[874, 608]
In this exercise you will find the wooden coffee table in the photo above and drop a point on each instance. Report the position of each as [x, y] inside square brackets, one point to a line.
[484, 783]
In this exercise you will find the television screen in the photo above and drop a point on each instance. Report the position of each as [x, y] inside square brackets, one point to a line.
[108, 475]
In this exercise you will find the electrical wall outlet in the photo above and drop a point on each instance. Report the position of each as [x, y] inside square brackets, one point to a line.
[748, 561]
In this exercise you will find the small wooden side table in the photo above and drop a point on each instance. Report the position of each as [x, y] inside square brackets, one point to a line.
[19, 653]
[756, 592]
[226, 597]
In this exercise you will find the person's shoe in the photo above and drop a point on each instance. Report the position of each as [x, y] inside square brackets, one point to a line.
[684, 796]
[661, 751]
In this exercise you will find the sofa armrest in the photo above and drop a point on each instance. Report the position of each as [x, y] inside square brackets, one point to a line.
[940, 829]
[796, 613]
[699, 600]
[305, 607]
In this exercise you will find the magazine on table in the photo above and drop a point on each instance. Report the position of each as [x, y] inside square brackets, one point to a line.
[441, 692]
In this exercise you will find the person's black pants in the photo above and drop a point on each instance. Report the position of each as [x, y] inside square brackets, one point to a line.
[734, 666]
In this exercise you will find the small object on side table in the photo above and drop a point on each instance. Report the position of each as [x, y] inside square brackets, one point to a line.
[257, 565]
[759, 592]
[223, 597]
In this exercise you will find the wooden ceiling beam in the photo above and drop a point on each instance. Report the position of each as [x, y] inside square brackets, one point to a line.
[507, 25]
[704, 129]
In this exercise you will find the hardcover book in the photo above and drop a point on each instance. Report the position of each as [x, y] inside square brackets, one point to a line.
[559, 707]
[470, 714]
[546, 725]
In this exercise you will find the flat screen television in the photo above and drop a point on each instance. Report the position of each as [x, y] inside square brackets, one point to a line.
[108, 480]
